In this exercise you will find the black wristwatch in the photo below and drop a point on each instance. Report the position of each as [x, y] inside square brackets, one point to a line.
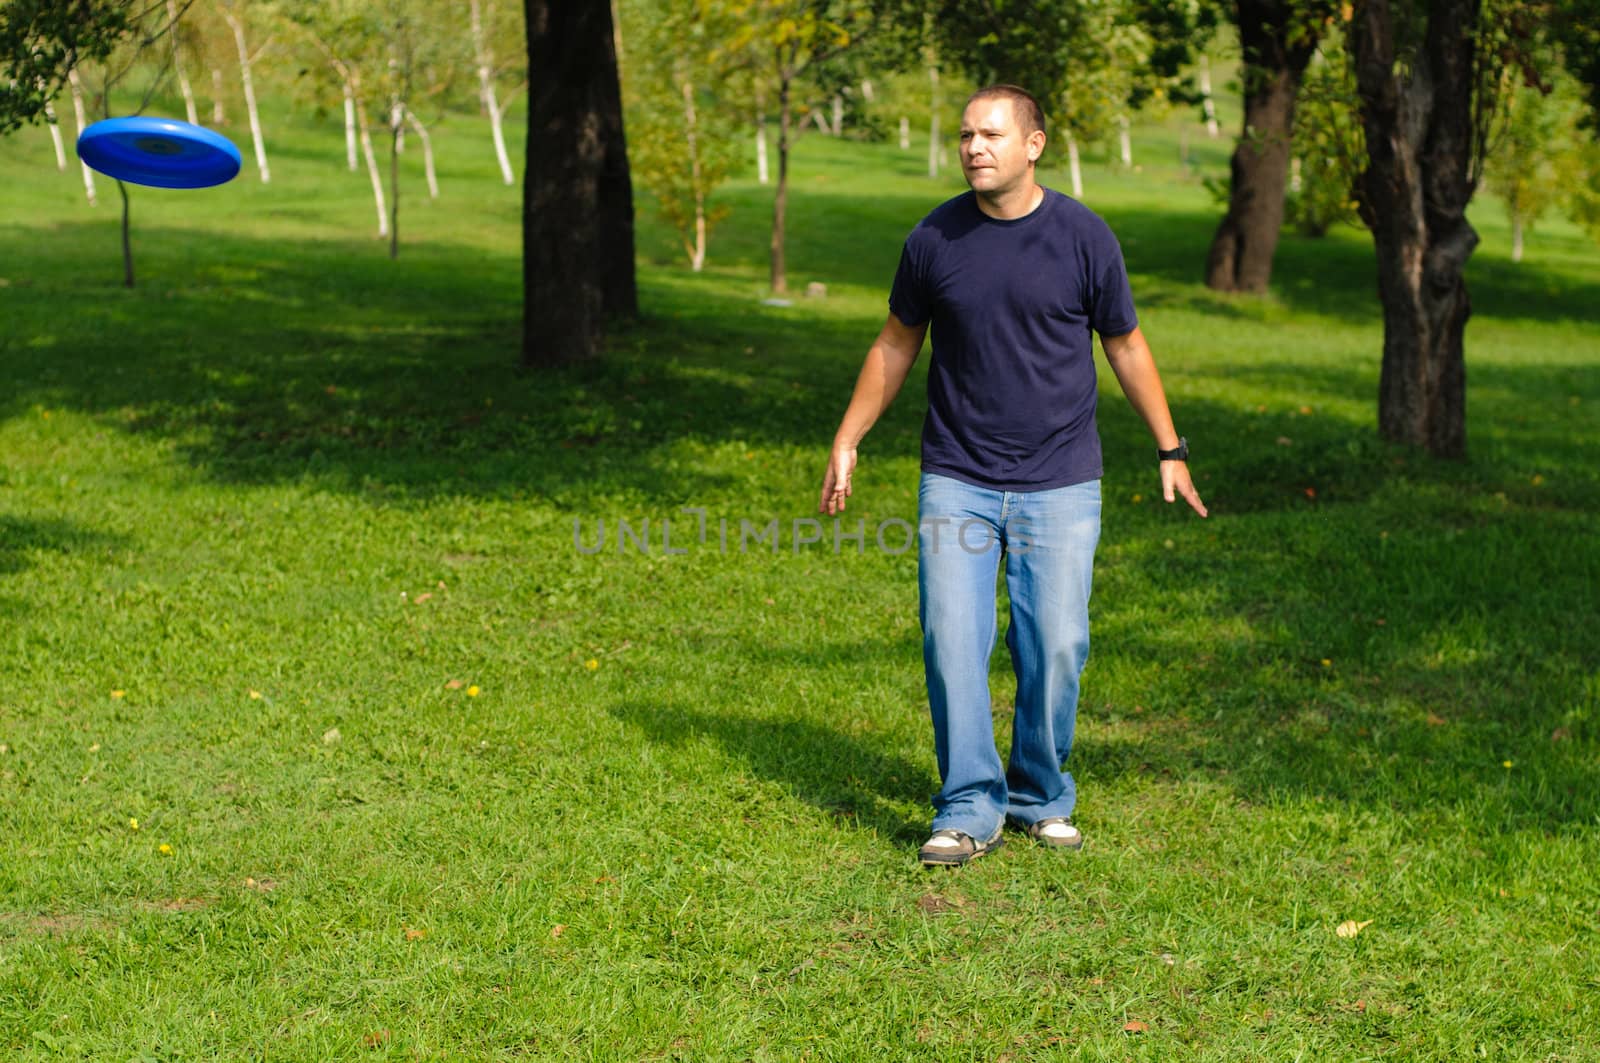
[1178, 453]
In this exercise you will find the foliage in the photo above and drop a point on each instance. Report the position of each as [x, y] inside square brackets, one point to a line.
[41, 40]
[684, 139]
[1535, 157]
[1329, 142]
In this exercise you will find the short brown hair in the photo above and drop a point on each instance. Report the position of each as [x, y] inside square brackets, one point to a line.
[1030, 115]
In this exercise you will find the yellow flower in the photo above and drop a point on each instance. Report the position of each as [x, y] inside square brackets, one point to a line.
[133, 824]
[118, 693]
[1505, 763]
[472, 692]
[164, 849]
[591, 664]
[255, 695]
[1326, 663]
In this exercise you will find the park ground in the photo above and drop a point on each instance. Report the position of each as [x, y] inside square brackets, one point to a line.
[321, 738]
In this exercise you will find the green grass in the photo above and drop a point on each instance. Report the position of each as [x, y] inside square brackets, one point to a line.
[265, 520]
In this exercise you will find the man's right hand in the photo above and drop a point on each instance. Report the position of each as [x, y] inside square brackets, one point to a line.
[836, 481]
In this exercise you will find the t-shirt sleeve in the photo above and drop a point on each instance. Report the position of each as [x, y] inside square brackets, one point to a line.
[1112, 311]
[908, 299]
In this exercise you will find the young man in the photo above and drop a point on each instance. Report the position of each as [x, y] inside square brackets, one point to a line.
[1015, 279]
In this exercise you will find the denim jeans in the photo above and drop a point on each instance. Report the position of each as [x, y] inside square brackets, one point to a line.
[1047, 539]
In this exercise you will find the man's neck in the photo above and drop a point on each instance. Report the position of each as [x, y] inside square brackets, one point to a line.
[1016, 203]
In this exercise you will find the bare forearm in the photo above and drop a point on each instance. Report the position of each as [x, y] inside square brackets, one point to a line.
[1135, 367]
[882, 375]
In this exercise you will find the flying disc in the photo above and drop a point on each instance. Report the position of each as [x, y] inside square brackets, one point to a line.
[159, 152]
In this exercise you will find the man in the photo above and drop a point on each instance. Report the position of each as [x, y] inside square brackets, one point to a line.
[1014, 279]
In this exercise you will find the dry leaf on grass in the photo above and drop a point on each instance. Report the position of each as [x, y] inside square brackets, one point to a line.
[413, 934]
[1350, 928]
[1134, 1026]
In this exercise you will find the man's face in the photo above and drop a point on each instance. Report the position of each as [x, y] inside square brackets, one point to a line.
[995, 154]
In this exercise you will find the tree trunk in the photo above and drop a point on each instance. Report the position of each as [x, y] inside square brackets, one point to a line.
[697, 249]
[1074, 166]
[1240, 259]
[1209, 106]
[762, 176]
[1516, 236]
[249, 96]
[838, 115]
[619, 282]
[177, 66]
[905, 133]
[365, 133]
[427, 153]
[486, 93]
[778, 279]
[575, 159]
[55, 135]
[1125, 140]
[76, 84]
[1418, 114]
[127, 242]
[933, 121]
[350, 126]
[218, 116]
[397, 132]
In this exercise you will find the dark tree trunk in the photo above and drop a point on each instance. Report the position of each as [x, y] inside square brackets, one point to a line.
[573, 223]
[620, 296]
[1277, 45]
[780, 202]
[1421, 141]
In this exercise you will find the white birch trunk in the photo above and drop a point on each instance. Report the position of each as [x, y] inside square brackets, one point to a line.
[1205, 99]
[1074, 167]
[427, 153]
[55, 135]
[866, 90]
[905, 133]
[1295, 182]
[1516, 237]
[761, 149]
[83, 123]
[350, 127]
[1125, 140]
[218, 116]
[697, 250]
[184, 87]
[397, 126]
[933, 123]
[249, 95]
[486, 93]
[838, 115]
[372, 167]
[822, 123]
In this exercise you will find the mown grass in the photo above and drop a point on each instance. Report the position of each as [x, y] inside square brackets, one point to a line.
[288, 576]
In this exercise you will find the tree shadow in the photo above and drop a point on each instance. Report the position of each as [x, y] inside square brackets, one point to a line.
[23, 537]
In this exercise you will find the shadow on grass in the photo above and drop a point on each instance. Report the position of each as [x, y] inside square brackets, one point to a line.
[22, 537]
[852, 777]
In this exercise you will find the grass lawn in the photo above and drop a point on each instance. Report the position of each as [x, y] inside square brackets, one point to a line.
[321, 738]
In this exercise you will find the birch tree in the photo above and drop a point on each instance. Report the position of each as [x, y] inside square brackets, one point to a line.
[488, 26]
[234, 12]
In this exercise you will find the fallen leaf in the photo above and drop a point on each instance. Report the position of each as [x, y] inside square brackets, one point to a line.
[1305, 409]
[265, 885]
[1435, 720]
[424, 596]
[1350, 928]
[557, 930]
[1560, 734]
[413, 934]
[1311, 492]
[331, 736]
[454, 684]
[933, 904]
[1134, 1026]
[376, 1039]
[1285, 441]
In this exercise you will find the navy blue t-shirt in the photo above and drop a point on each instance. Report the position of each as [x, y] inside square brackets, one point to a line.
[1014, 305]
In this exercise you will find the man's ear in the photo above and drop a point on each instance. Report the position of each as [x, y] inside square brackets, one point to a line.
[1035, 145]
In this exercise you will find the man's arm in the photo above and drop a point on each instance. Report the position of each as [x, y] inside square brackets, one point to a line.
[1135, 367]
[888, 363]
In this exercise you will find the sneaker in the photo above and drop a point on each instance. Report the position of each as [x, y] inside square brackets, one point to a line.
[1057, 832]
[952, 848]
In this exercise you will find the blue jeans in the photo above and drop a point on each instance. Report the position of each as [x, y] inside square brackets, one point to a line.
[1048, 540]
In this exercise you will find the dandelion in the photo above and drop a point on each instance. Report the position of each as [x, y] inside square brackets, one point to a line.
[255, 695]
[472, 692]
[118, 693]
[591, 664]
[1505, 764]
[164, 849]
[1327, 663]
[1137, 499]
[1537, 480]
[133, 823]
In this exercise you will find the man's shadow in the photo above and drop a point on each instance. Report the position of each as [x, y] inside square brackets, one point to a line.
[853, 777]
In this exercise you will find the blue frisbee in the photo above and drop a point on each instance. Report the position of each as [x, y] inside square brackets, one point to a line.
[159, 152]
